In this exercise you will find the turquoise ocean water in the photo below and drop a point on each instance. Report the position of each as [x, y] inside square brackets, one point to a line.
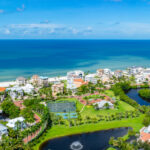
[56, 57]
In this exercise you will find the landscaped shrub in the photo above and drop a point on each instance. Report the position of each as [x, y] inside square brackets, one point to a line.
[120, 89]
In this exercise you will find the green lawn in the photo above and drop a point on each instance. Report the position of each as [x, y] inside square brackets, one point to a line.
[90, 111]
[59, 131]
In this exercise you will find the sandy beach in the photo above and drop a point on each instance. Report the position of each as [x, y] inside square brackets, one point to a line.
[7, 84]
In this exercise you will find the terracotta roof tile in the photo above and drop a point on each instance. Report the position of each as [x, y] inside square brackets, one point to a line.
[2, 89]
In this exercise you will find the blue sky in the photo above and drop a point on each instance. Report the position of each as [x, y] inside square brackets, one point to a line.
[74, 19]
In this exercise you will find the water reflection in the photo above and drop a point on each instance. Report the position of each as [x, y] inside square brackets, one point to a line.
[76, 146]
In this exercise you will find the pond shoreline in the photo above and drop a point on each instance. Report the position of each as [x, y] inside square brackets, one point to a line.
[96, 131]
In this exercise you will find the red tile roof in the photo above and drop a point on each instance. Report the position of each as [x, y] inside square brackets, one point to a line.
[144, 136]
[2, 89]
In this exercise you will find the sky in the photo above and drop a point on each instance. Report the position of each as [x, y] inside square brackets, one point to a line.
[74, 19]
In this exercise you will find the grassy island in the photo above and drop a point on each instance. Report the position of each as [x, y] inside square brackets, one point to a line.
[144, 93]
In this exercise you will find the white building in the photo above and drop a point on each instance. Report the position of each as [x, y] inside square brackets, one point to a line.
[107, 71]
[28, 88]
[57, 80]
[135, 70]
[102, 104]
[91, 78]
[21, 81]
[75, 74]
[71, 85]
[18, 91]
[118, 73]
[13, 123]
[139, 79]
[43, 81]
[3, 130]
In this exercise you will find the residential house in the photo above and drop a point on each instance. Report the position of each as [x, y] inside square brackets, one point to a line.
[2, 89]
[73, 84]
[15, 92]
[102, 105]
[17, 123]
[145, 134]
[91, 78]
[100, 72]
[107, 72]
[3, 130]
[2, 93]
[140, 79]
[57, 88]
[79, 82]
[28, 88]
[118, 73]
[105, 79]
[18, 91]
[21, 81]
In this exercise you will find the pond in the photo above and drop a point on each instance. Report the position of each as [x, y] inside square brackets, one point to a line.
[86, 141]
[133, 94]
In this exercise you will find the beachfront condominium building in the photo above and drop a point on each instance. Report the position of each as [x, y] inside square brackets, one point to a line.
[43, 81]
[35, 79]
[135, 70]
[75, 74]
[57, 89]
[21, 81]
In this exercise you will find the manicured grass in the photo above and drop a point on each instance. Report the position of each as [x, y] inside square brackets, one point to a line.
[59, 131]
[90, 111]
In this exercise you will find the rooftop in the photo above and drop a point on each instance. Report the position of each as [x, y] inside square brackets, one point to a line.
[2, 89]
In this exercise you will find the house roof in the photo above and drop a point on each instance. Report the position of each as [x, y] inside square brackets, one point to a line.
[21, 79]
[43, 78]
[11, 123]
[2, 89]
[102, 103]
[78, 80]
[144, 136]
[2, 127]
[35, 77]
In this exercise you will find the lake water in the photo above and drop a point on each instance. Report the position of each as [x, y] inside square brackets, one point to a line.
[133, 94]
[87, 141]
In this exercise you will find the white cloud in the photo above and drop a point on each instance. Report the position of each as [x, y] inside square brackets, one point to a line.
[21, 9]
[45, 29]
[7, 31]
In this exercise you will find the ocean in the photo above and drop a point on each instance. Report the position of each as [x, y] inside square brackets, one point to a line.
[56, 57]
